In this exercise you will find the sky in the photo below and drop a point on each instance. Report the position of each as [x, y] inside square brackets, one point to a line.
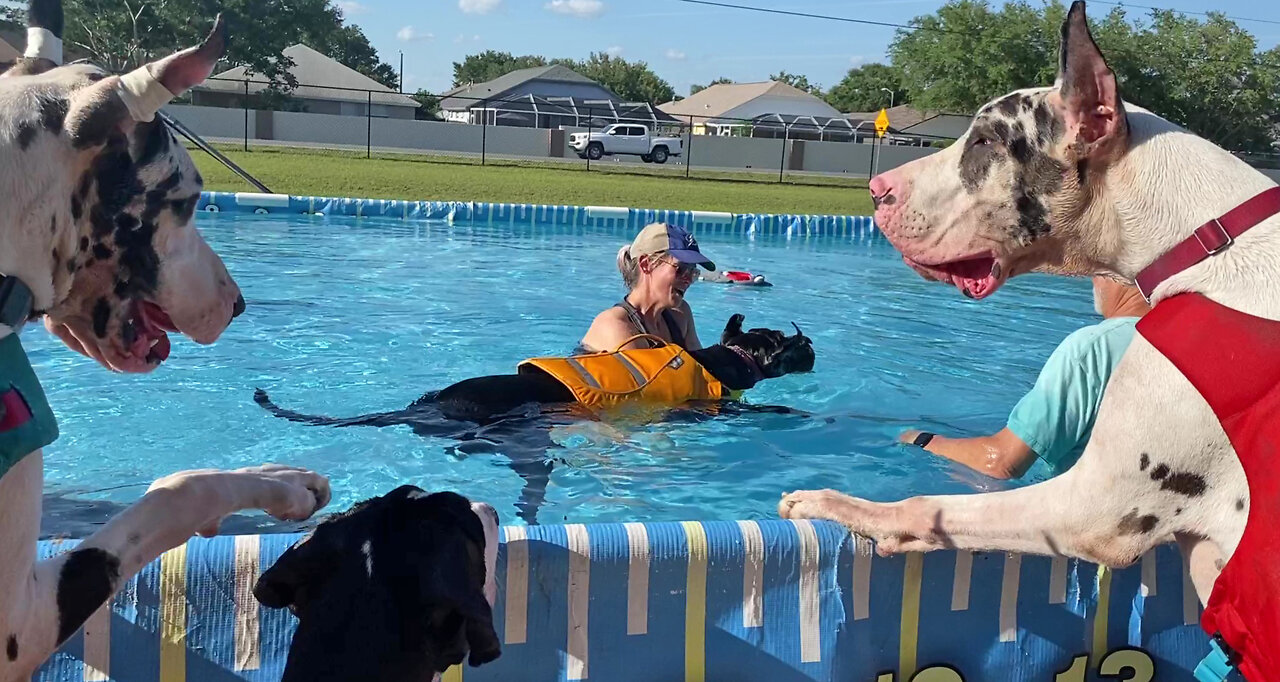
[682, 42]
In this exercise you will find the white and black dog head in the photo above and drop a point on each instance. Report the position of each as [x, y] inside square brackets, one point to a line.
[399, 587]
[100, 201]
[1010, 196]
[775, 353]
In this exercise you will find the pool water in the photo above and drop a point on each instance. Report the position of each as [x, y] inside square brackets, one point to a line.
[348, 316]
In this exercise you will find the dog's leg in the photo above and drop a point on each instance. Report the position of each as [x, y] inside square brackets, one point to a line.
[1157, 464]
[64, 591]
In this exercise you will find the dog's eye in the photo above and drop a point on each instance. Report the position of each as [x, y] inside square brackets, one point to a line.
[980, 141]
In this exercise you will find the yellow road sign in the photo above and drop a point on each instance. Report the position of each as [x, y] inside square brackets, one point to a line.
[882, 123]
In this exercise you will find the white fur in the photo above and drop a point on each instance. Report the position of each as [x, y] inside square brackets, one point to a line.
[43, 44]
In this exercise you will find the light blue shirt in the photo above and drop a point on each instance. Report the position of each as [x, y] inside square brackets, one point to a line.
[1056, 417]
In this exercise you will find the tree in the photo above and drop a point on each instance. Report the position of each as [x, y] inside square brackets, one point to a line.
[488, 65]
[1205, 75]
[862, 89]
[429, 106]
[695, 89]
[797, 82]
[632, 81]
[120, 35]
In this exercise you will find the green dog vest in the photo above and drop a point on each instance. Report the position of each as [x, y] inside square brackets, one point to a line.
[26, 421]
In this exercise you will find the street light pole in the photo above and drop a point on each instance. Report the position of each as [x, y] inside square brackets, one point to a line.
[890, 96]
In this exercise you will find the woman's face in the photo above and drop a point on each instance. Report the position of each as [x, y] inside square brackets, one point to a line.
[668, 278]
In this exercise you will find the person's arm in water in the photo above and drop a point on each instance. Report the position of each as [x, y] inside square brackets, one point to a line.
[1000, 455]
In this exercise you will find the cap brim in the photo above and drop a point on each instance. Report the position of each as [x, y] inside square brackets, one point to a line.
[694, 257]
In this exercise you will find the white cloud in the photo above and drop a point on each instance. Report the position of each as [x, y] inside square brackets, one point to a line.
[857, 60]
[351, 8]
[478, 6]
[410, 34]
[579, 8]
[614, 51]
[675, 55]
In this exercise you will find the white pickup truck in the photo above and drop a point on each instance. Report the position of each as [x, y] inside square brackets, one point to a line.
[625, 138]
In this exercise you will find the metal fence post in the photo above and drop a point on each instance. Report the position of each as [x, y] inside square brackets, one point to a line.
[688, 149]
[246, 115]
[484, 129]
[368, 120]
[782, 163]
[590, 118]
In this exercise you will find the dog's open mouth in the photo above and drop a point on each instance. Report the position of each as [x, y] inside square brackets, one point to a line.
[146, 332]
[975, 276]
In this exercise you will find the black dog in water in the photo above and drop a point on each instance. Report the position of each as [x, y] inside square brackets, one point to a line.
[484, 413]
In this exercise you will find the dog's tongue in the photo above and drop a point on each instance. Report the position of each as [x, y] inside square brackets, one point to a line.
[976, 278]
[155, 316]
[152, 324]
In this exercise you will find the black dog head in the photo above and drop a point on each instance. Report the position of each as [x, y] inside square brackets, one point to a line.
[397, 588]
[774, 352]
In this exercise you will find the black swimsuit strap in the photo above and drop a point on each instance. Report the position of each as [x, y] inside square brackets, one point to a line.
[637, 320]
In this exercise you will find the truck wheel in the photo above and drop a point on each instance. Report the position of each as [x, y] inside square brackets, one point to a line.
[659, 154]
[595, 151]
[646, 158]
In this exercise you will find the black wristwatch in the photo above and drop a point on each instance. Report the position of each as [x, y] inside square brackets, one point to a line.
[922, 439]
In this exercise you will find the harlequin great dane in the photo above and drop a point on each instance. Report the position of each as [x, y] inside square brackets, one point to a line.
[97, 237]
[1070, 179]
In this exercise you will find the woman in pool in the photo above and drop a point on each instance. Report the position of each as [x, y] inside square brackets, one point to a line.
[657, 268]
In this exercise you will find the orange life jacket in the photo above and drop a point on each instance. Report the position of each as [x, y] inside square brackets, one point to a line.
[663, 375]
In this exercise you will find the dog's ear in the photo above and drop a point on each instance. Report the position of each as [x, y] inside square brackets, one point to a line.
[278, 586]
[733, 328]
[482, 639]
[136, 96]
[1087, 87]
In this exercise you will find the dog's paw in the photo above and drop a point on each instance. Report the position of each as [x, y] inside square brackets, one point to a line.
[816, 504]
[295, 493]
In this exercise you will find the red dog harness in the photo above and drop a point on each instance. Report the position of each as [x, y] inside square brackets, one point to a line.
[1233, 360]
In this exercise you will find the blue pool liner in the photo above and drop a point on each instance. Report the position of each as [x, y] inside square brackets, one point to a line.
[597, 217]
[714, 600]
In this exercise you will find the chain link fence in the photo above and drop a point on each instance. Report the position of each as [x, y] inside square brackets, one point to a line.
[560, 132]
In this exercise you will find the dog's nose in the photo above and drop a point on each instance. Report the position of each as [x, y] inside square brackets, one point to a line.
[239, 308]
[881, 187]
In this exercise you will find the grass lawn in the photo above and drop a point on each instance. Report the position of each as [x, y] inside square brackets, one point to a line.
[349, 174]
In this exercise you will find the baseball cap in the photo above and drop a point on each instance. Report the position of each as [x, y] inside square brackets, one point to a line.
[673, 239]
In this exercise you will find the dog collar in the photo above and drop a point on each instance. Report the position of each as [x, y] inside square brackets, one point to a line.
[757, 374]
[1209, 239]
[15, 303]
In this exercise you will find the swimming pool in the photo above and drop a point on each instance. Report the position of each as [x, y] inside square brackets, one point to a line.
[353, 315]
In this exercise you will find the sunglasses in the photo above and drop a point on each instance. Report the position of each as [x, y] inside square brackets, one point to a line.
[682, 269]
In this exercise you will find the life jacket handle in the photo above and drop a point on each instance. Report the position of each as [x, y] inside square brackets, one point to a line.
[651, 337]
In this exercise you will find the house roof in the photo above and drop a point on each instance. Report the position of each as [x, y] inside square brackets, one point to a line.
[466, 96]
[718, 99]
[312, 69]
